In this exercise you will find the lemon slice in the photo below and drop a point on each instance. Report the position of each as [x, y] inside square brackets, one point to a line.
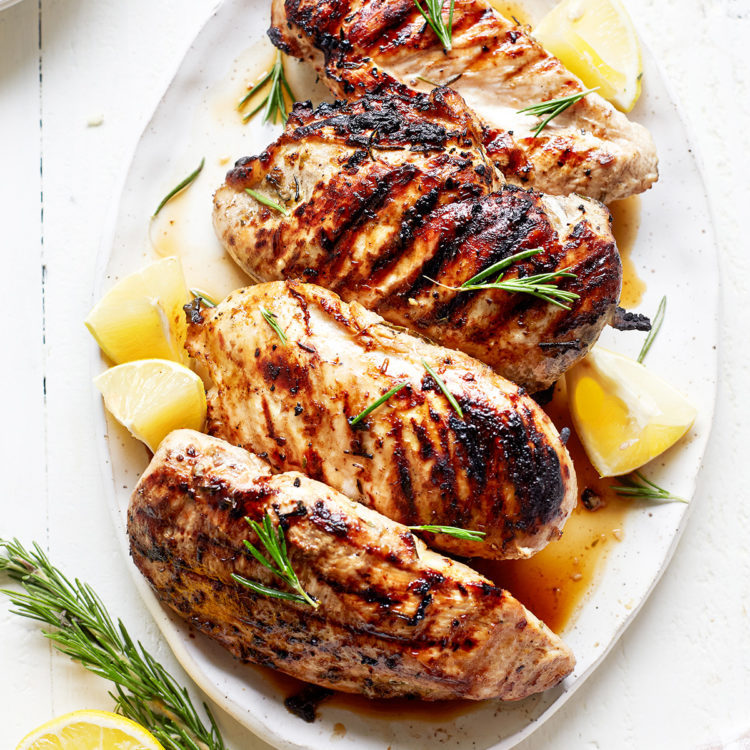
[141, 316]
[90, 730]
[624, 415]
[152, 397]
[596, 41]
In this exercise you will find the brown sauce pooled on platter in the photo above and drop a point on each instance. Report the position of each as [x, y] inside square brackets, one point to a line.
[626, 218]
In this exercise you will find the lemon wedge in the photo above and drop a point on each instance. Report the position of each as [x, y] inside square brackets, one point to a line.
[152, 397]
[596, 41]
[142, 317]
[90, 730]
[624, 415]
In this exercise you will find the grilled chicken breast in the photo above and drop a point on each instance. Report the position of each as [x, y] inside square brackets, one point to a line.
[383, 45]
[500, 468]
[393, 202]
[394, 618]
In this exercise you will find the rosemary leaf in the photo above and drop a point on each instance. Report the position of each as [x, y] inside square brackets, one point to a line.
[80, 626]
[467, 534]
[645, 489]
[274, 102]
[273, 540]
[187, 181]
[272, 321]
[500, 266]
[451, 399]
[258, 86]
[553, 108]
[206, 301]
[447, 82]
[433, 14]
[267, 201]
[655, 326]
[396, 388]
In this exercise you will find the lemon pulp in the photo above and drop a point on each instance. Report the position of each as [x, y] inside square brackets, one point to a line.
[596, 41]
[624, 415]
[152, 397]
[142, 317]
[90, 730]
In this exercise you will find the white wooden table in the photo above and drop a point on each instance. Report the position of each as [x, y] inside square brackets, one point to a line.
[679, 678]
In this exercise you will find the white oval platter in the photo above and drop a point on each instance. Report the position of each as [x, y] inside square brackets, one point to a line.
[674, 252]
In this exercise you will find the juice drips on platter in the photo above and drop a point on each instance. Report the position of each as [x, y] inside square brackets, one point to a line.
[626, 218]
[554, 582]
[512, 10]
[249, 69]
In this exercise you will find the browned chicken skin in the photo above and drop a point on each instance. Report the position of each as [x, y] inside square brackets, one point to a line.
[500, 469]
[360, 46]
[392, 200]
[395, 618]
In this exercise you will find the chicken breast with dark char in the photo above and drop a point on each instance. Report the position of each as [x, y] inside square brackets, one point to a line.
[293, 365]
[394, 203]
[360, 46]
[393, 618]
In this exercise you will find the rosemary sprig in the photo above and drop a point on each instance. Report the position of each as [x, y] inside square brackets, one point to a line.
[541, 285]
[467, 534]
[374, 405]
[206, 301]
[434, 17]
[267, 201]
[444, 388]
[274, 541]
[655, 326]
[645, 489]
[171, 194]
[81, 627]
[272, 321]
[553, 108]
[274, 101]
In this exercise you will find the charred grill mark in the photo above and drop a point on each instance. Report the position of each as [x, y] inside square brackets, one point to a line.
[533, 467]
[413, 217]
[329, 521]
[372, 195]
[409, 510]
[375, 27]
[426, 448]
[494, 227]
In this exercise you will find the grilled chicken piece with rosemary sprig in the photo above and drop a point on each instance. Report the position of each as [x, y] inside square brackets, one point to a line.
[393, 618]
[393, 202]
[448, 443]
[369, 45]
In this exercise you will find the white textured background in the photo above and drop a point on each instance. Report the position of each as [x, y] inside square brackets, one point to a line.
[679, 678]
